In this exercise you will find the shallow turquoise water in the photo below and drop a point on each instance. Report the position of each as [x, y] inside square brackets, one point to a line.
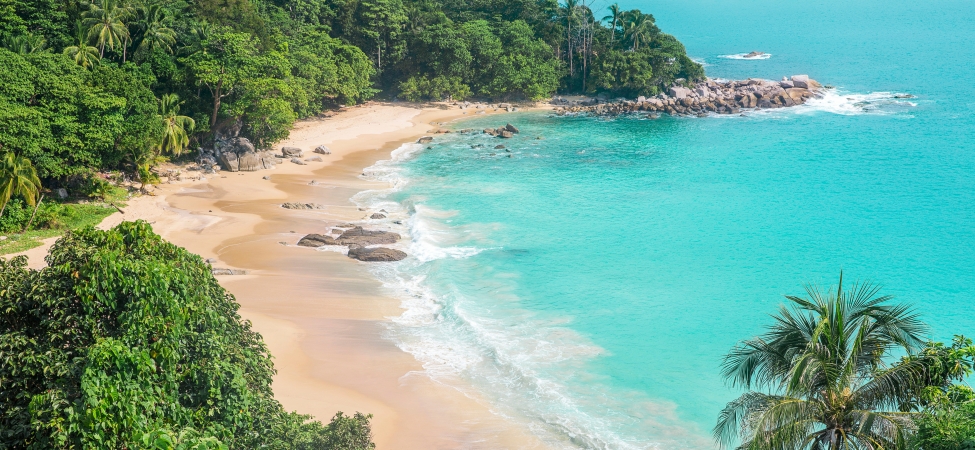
[589, 284]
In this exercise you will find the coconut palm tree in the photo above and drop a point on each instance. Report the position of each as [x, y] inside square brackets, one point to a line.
[637, 27]
[105, 21]
[569, 12]
[156, 33]
[25, 43]
[82, 53]
[176, 128]
[18, 177]
[821, 365]
[614, 18]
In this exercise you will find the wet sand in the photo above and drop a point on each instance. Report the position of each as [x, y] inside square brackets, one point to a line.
[320, 312]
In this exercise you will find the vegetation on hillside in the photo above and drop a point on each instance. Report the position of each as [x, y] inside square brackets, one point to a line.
[127, 341]
[113, 84]
[823, 377]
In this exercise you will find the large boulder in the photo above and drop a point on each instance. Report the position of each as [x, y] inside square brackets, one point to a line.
[801, 81]
[268, 160]
[323, 150]
[424, 140]
[360, 236]
[380, 254]
[250, 162]
[798, 95]
[315, 240]
[511, 128]
[679, 92]
[291, 152]
[244, 145]
[229, 162]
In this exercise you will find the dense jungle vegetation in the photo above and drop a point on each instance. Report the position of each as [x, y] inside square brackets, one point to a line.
[117, 84]
[128, 341]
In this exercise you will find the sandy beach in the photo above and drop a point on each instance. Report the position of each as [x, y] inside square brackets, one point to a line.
[320, 312]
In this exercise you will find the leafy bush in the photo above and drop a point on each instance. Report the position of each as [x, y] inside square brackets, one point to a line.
[127, 341]
[948, 429]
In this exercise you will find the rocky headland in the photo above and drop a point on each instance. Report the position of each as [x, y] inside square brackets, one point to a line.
[711, 96]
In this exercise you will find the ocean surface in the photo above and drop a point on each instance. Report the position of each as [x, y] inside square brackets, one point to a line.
[587, 284]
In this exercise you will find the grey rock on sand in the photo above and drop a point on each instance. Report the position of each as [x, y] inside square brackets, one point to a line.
[292, 151]
[323, 150]
[380, 254]
[297, 205]
[298, 162]
[315, 240]
[377, 216]
[224, 271]
[314, 159]
[424, 140]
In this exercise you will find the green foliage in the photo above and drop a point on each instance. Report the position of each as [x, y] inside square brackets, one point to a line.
[947, 429]
[18, 177]
[944, 367]
[66, 119]
[52, 220]
[440, 88]
[127, 341]
[818, 363]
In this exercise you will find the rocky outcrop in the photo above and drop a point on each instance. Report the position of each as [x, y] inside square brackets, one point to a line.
[296, 205]
[377, 216]
[424, 140]
[323, 150]
[233, 153]
[315, 240]
[379, 254]
[710, 96]
[507, 131]
[363, 237]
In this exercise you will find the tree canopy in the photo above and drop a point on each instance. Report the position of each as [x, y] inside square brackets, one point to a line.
[127, 341]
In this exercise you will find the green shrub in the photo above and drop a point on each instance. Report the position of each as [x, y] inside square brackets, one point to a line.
[948, 429]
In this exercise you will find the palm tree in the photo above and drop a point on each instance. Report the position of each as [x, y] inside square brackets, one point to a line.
[822, 364]
[615, 16]
[176, 128]
[637, 27]
[569, 12]
[82, 53]
[25, 44]
[156, 33]
[106, 24]
[18, 177]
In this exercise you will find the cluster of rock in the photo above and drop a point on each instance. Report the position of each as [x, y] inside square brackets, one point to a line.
[297, 205]
[710, 96]
[507, 131]
[358, 240]
[233, 153]
[487, 106]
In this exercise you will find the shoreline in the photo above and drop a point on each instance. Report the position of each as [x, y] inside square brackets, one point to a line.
[321, 313]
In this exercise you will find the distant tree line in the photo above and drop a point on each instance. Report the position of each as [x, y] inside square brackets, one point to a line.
[117, 84]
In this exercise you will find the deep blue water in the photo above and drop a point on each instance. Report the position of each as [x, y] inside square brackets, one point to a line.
[589, 284]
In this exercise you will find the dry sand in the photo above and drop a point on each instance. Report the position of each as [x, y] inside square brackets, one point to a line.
[321, 313]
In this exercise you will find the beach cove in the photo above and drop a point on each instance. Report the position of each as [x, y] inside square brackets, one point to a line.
[321, 313]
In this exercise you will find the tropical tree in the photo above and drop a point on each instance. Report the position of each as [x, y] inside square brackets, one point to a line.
[176, 128]
[83, 54]
[569, 12]
[18, 177]
[105, 21]
[25, 43]
[614, 18]
[156, 33]
[822, 366]
[639, 28]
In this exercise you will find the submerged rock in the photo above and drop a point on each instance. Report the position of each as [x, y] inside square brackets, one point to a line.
[360, 236]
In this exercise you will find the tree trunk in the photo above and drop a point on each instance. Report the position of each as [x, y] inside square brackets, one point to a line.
[38, 205]
[3, 208]
[216, 103]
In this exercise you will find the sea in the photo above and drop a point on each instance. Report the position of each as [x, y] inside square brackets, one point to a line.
[586, 280]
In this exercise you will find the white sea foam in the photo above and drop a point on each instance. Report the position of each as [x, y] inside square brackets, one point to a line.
[836, 102]
[746, 57]
[700, 61]
[478, 341]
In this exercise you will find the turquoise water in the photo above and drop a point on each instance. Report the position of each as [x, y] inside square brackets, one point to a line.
[589, 284]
